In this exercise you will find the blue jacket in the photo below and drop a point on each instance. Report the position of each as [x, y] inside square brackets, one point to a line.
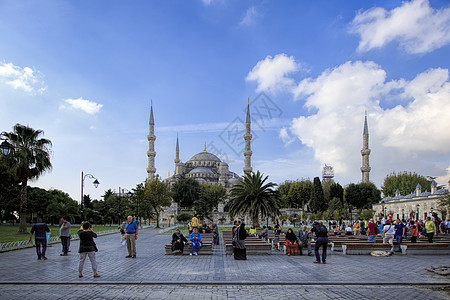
[198, 236]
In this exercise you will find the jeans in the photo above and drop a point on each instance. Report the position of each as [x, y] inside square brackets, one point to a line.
[321, 241]
[196, 244]
[64, 242]
[372, 238]
[39, 243]
[91, 258]
[430, 237]
[399, 239]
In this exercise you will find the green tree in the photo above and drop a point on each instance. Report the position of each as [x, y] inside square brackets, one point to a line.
[158, 194]
[9, 191]
[300, 192]
[255, 197]
[405, 182]
[31, 156]
[366, 214]
[317, 202]
[337, 191]
[283, 190]
[186, 192]
[184, 217]
[362, 195]
[328, 215]
[336, 204]
[210, 197]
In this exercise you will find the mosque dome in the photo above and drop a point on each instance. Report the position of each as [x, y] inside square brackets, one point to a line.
[201, 170]
[204, 156]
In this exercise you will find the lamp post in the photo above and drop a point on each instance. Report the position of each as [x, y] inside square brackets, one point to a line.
[95, 182]
[6, 147]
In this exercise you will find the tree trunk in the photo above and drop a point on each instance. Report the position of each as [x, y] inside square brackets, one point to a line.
[255, 221]
[23, 207]
[157, 219]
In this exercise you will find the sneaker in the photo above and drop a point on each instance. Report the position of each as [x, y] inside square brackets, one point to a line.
[39, 258]
[324, 262]
[190, 254]
[195, 253]
[310, 254]
[64, 254]
[133, 257]
[128, 256]
[317, 262]
[44, 258]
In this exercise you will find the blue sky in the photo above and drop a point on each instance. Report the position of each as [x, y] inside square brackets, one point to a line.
[85, 72]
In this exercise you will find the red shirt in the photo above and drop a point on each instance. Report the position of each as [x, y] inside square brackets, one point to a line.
[372, 228]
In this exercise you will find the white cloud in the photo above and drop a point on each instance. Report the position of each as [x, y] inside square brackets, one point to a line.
[249, 17]
[285, 136]
[271, 73]
[416, 26]
[87, 106]
[399, 137]
[26, 79]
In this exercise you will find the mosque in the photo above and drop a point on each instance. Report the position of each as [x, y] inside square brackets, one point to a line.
[204, 167]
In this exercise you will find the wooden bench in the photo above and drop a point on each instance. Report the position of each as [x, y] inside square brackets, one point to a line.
[254, 245]
[206, 249]
[364, 248]
[425, 248]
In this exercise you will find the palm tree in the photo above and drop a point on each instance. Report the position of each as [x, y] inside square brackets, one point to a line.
[31, 158]
[255, 197]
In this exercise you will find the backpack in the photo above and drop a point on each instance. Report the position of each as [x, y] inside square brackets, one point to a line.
[322, 230]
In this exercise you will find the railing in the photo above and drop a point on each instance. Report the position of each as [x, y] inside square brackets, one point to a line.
[52, 240]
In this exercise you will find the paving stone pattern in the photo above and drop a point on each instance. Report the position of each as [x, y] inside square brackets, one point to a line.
[155, 275]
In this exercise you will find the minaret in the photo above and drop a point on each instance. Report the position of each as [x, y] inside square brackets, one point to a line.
[365, 151]
[177, 153]
[151, 145]
[248, 139]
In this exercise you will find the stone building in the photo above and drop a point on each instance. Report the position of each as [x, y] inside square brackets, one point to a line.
[416, 205]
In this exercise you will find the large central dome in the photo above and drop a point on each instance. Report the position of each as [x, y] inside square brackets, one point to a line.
[204, 156]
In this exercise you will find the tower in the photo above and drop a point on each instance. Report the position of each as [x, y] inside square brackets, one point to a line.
[151, 145]
[365, 152]
[177, 153]
[248, 139]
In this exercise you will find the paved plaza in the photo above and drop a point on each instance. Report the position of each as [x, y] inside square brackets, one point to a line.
[154, 275]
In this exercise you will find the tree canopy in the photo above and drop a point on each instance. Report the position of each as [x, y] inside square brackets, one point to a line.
[186, 192]
[405, 182]
[210, 197]
[158, 195]
[362, 195]
[30, 157]
[317, 202]
[255, 197]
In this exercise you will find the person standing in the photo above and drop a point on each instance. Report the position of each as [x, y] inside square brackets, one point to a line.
[64, 235]
[240, 252]
[414, 231]
[399, 232]
[131, 231]
[430, 228]
[322, 240]
[87, 248]
[40, 230]
[372, 232]
[388, 231]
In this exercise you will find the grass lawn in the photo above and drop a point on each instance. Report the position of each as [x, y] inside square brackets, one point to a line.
[9, 233]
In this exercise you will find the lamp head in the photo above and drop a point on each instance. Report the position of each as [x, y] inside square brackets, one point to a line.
[96, 183]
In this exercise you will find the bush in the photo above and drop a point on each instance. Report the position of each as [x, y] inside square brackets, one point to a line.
[184, 217]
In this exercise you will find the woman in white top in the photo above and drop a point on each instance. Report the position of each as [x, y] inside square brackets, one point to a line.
[388, 231]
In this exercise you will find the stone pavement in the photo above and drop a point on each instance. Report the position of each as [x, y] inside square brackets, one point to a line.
[155, 275]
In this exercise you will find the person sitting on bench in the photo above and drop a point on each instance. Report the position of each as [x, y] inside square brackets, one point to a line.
[178, 242]
[196, 240]
[264, 233]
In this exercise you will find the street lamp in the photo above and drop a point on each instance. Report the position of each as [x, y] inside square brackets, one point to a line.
[95, 182]
[5, 148]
